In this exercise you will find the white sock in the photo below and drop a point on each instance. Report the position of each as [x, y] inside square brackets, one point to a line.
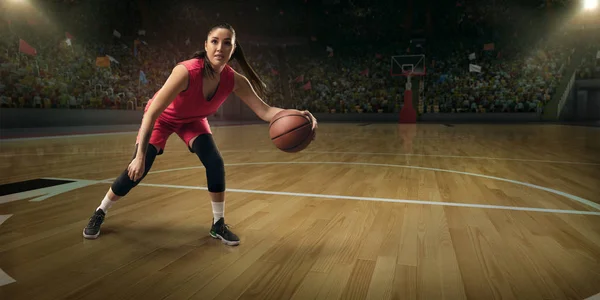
[218, 210]
[106, 204]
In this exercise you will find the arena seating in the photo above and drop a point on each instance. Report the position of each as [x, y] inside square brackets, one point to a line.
[77, 73]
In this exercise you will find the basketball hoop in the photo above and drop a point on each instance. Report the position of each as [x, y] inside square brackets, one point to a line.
[408, 66]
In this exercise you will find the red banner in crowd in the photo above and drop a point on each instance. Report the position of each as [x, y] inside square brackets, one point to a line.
[25, 48]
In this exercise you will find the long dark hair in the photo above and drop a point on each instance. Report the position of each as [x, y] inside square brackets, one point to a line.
[238, 54]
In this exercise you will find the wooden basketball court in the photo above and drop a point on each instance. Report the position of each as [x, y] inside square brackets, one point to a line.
[368, 211]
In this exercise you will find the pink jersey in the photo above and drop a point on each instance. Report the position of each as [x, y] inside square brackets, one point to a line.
[190, 104]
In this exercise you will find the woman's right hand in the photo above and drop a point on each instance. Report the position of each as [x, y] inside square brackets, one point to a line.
[136, 169]
[175, 84]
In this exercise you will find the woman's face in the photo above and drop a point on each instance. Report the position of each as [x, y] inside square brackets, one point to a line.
[219, 46]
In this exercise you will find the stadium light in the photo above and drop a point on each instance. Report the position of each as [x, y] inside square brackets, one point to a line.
[590, 4]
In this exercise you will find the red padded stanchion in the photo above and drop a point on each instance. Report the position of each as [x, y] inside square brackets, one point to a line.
[408, 113]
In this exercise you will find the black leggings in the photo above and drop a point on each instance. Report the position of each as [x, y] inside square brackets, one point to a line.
[205, 148]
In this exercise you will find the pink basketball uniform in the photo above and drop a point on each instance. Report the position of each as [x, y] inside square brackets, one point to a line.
[187, 114]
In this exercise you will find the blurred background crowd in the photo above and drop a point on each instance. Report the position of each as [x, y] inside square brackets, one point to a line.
[326, 56]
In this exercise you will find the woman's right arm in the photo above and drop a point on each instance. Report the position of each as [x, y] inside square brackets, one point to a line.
[175, 84]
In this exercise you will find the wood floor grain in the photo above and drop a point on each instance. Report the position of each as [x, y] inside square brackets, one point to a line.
[336, 221]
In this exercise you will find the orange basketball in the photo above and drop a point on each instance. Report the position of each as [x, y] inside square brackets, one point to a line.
[291, 130]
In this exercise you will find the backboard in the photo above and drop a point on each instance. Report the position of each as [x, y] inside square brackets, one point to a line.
[408, 65]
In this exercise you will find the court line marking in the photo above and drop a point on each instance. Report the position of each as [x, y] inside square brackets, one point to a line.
[5, 278]
[594, 297]
[312, 195]
[426, 155]
[452, 156]
[567, 195]
[335, 152]
[41, 194]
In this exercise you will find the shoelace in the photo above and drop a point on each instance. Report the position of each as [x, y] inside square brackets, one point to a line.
[226, 228]
[95, 219]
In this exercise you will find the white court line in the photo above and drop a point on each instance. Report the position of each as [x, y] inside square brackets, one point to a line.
[448, 156]
[41, 194]
[4, 278]
[595, 297]
[332, 152]
[311, 195]
[567, 195]
[563, 211]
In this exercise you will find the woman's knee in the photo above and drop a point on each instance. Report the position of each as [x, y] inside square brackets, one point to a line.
[212, 160]
[123, 184]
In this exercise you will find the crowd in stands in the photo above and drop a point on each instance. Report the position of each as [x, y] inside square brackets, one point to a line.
[497, 77]
[345, 84]
[590, 64]
[63, 71]
[482, 81]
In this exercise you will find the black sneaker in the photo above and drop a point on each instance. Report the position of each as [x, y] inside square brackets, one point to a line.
[220, 230]
[92, 230]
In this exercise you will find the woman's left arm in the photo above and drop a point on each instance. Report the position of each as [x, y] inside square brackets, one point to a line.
[244, 90]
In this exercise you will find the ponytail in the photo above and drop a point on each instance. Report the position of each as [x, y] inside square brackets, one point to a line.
[258, 85]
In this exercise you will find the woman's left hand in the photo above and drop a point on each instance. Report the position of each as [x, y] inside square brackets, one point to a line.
[313, 121]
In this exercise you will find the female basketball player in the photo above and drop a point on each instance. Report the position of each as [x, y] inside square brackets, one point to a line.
[194, 90]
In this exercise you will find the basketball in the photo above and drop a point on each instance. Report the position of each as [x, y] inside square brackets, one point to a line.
[291, 131]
